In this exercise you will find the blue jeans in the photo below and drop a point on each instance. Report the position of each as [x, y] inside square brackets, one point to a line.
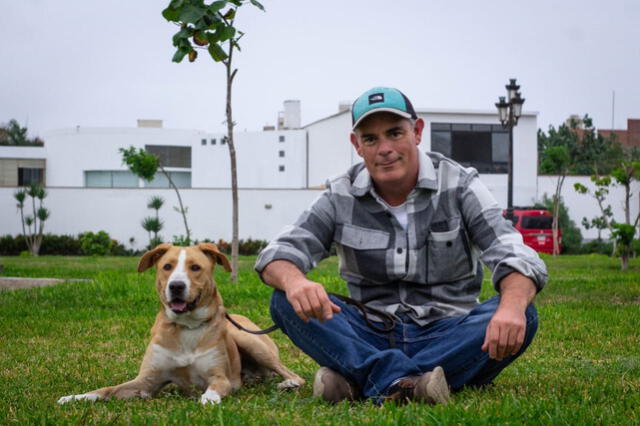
[348, 346]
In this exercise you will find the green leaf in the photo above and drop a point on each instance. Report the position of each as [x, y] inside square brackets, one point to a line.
[216, 6]
[181, 35]
[180, 54]
[257, 4]
[216, 52]
[172, 15]
[191, 13]
[176, 4]
[230, 14]
[227, 32]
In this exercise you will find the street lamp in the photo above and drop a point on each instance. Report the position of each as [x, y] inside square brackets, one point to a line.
[509, 111]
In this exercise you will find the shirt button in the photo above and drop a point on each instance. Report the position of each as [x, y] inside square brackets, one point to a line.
[449, 243]
[399, 250]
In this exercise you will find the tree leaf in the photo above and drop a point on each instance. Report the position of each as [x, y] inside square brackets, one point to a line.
[179, 55]
[190, 13]
[230, 14]
[227, 32]
[172, 15]
[176, 4]
[257, 4]
[216, 6]
[216, 52]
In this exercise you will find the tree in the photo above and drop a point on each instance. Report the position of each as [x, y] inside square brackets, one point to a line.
[604, 220]
[573, 148]
[212, 25]
[154, 224]
[146, 165]
[14, 134]
[32, 225]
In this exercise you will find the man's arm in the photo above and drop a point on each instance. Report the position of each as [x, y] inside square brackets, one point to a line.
[308, 298]
[506, 330]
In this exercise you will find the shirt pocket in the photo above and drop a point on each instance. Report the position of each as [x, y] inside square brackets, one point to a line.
[448, 256]
[360, 238]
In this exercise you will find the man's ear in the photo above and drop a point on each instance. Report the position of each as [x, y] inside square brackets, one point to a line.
[356, 145]
[215, 254]
[152, 256]
[417, 130]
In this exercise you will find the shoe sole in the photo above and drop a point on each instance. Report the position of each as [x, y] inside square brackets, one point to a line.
[437, 388]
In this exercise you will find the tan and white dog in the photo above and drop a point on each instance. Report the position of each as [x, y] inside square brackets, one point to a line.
[192, 343]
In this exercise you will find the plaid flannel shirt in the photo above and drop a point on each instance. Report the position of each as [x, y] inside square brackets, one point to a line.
[431, 270]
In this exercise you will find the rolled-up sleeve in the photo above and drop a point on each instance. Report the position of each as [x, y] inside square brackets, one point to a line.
[502, 249]
[306, 242]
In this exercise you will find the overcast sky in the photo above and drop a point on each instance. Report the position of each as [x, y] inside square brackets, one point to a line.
[108, 63]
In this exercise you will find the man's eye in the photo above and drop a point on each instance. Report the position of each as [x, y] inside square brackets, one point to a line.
[167, 267]
[195, 268]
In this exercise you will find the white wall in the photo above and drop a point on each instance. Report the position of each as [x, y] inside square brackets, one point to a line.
[70, 152]
[120, 211]
[330, 151]
[586, 206]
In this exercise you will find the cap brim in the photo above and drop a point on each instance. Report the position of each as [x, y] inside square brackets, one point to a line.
[402, 114]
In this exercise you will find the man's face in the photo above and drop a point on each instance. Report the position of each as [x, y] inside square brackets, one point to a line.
[388, 145]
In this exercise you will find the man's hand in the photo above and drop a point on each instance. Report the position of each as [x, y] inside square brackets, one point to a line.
[506, 330]
[505, 333]
[308, 298]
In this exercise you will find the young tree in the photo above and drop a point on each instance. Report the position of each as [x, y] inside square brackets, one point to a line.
[154, 224]
[146, 165]
[211, 26]
[32, 225]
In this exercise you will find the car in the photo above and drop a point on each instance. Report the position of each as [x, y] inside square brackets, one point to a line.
[535, 225]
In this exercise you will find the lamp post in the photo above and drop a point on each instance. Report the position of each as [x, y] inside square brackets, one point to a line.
[509, 113]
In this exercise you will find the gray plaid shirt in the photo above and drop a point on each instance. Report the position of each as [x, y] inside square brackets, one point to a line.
[431, 270]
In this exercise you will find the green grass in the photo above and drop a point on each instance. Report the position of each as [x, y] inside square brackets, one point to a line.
[582, 368]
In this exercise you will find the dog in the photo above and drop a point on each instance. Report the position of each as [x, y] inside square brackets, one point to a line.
[192, 344]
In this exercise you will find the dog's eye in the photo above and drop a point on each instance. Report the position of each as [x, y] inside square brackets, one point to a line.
[195, 268]
[167, 267]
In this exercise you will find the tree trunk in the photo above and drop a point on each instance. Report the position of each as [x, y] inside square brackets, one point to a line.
[556, 211]
[624, 261]
[184, 214]
[234, 171]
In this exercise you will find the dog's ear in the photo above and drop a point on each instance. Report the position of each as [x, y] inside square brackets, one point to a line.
[151, 257]
[212, 251]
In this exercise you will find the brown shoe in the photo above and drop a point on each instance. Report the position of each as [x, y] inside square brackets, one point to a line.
[430, 388]
[332, 387]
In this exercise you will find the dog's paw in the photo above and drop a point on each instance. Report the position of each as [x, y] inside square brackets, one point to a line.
[82, 397]
[210, 397]
[289, 384]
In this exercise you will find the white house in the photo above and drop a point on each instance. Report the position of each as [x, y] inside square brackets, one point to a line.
[279, 172]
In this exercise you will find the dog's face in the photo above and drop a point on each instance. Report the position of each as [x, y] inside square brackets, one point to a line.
[184, 274]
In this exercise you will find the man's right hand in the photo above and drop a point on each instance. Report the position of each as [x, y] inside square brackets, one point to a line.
[308, 298]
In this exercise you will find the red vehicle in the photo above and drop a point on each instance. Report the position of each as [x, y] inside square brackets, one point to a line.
[535, 225]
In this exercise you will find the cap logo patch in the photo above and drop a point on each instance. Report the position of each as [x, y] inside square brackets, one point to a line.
[376, 98]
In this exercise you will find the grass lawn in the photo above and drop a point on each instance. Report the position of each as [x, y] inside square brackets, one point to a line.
[582, 368]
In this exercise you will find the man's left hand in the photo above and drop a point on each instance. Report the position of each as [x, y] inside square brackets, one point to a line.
[505, 333]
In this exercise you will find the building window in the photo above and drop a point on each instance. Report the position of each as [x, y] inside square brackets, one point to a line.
[181, 180]
[281, 168]
[204, 141]
[110, 179]
[281, 138]
[483, 146]
[30, 176]
[213, 141]
[223, 140]
[281, 154]
[171, 156]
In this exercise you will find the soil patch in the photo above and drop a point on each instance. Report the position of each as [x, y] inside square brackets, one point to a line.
[17, 283]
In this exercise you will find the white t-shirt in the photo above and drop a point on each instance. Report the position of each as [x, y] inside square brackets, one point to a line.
[400, 212]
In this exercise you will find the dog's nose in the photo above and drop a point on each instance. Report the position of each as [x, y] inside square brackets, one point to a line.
[177, 287]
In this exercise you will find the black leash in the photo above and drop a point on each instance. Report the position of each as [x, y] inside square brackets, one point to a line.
[387, 319]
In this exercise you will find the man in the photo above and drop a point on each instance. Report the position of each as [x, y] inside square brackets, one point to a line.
[410, 229]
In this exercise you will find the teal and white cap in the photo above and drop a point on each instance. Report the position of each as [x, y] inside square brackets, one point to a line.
[381, 99]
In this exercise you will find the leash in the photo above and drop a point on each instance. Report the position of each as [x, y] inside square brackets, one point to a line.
[387, 319]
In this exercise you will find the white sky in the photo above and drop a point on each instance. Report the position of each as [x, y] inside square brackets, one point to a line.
[108, 63]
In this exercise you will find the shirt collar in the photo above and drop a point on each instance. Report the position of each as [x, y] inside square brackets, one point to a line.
[427, 177]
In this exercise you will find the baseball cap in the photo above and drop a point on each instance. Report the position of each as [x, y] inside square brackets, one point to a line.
[380, 99]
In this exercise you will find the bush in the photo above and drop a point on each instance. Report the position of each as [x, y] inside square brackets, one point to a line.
[51, 244]
[98, 244]
[596, 246]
